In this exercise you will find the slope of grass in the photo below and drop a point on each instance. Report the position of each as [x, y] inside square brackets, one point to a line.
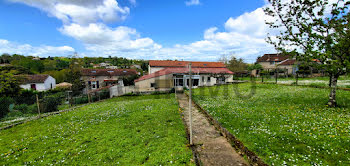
[127, 130]
[283, 124]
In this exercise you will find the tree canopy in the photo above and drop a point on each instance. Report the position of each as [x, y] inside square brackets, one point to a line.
[313, 29]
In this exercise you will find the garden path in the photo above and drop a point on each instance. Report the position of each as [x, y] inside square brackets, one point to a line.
[212, 147]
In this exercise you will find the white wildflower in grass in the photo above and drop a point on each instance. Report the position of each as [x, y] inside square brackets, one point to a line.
[140, 130]
[284, 124]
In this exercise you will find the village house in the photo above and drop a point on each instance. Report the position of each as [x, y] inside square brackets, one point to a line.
[39, 82]
[165, 75]
[98, 78]
[271, 62]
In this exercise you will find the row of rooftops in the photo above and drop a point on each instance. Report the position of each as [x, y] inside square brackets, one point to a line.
[283, 59]
[170, 67]
[169, 63]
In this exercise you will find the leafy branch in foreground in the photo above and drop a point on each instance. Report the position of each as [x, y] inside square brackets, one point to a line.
[313, 29]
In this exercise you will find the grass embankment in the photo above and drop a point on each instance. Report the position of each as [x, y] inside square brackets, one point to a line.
[127, 130]
[284, 124]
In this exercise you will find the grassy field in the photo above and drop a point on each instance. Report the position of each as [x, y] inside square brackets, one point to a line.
[284, 124]
[127, 131]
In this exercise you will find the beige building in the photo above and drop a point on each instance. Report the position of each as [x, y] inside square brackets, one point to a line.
[270, 62]
[98, 78]
[165, 75]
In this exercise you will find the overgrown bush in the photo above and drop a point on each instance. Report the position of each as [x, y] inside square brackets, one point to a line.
[32, 109]
[50, 103]
[26, 97]
[22, 108]
[14, 113]
[104, 94]
[81, 100]
[4, 106]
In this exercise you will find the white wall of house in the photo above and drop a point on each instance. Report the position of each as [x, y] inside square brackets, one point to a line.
[154, 69]
[145, 85]
[50, 83]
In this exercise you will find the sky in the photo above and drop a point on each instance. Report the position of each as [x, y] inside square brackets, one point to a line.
[198, 30]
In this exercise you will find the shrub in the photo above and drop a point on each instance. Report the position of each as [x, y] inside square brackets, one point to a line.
[104, 94]
[33, 109]
[4, 106]
[27, 97]
[81, 100]
[22, 108]
[14, 113]
[50, 103]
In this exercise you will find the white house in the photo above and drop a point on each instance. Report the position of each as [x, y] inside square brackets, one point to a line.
[165, 75]
[39, 82]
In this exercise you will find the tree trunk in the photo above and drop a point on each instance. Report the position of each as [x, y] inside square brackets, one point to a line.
[333, 81]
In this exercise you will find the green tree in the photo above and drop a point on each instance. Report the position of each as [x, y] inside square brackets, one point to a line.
[74, 75]
[9, 85]
[255, 67]
[313, 29]
[237, 65]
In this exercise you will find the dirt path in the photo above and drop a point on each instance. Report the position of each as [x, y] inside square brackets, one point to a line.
[213, 148]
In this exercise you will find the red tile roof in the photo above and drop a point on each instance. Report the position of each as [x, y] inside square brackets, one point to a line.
[108, 72]
[167, 71]
[167, 63]
[273, 58]
[288, 62]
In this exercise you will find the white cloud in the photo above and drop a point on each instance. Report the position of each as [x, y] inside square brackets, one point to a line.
[81, 11]
[26, 49]
[192, 2]
[101, 38]
[85, 22]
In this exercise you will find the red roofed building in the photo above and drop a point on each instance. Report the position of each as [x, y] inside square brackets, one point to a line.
[270, 62]
[164, 75]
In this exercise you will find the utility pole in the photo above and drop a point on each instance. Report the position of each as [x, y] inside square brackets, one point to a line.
[38, 105]
[175, 86]
[190, 101]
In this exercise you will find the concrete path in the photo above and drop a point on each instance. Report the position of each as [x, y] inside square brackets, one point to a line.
[213, 148]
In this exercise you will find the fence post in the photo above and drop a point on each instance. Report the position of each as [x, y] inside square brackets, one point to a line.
[89, 98]
[190, 101]
[276, 75]
[37, 103]
[296, 82]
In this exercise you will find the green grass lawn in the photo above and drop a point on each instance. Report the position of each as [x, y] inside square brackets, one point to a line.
[126, 130]
[284, 124]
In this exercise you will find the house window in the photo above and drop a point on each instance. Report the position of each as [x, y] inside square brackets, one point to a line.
[33, 86]
[203, 79]
[179, 82]
[272, 62]
[93, 71]
[220, 80]
[208, 79]
[195, 82]
[153, 85]
[51, 86]
[95, 85]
